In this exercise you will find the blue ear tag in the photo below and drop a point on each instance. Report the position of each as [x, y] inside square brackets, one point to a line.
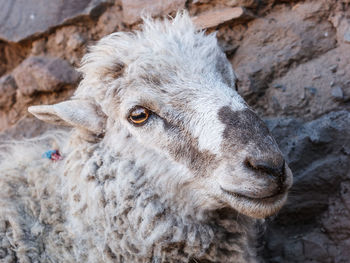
[53, 155]
[48, 154]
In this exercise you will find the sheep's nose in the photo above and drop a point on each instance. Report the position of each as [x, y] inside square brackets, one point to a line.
[274, 167]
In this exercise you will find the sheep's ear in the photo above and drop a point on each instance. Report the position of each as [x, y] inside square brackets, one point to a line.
[77, 113]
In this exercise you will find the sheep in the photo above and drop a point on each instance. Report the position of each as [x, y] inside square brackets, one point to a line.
[163, 161]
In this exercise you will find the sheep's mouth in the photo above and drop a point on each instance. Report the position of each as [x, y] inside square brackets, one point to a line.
[266, 199]
[260, 207]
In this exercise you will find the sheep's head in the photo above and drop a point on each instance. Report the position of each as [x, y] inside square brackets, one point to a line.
[171, 89]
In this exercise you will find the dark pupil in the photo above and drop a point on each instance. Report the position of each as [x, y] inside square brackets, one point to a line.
[139, 115]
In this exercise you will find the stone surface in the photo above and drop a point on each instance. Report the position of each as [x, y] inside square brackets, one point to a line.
[44, 74]
[347, 36]
[21, 19]
[310, 89]
[217, 17]
[245, 3]
[134, 9]
[264, 55]
[75, 41]
[8, 89]
[26, 128]
[316, 216]
[337, 93]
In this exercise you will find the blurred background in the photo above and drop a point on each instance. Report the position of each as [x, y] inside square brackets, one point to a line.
[292, 59]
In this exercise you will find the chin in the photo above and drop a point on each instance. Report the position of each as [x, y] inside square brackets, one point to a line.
[256, 207]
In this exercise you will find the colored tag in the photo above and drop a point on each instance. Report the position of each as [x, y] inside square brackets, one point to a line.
[53, 155]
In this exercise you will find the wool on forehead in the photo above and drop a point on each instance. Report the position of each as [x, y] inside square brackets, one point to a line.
[161, 47]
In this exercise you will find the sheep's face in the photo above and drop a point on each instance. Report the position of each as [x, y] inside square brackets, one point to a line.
[171, 90]
[202, 124]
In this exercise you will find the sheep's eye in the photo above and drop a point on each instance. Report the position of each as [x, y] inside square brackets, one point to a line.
[139, 115]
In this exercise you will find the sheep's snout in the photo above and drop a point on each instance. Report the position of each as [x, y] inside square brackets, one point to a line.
[258, 177]
[253, 176]
[272, 167]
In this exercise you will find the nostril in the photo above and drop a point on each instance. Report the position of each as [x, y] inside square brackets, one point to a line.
[273, 168]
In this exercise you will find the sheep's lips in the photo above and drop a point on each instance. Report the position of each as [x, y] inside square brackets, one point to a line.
[258, 207]
[270, 198]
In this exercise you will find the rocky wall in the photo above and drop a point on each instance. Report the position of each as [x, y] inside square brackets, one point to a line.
[292, 59]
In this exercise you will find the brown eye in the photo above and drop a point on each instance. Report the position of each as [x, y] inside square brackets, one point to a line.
[139, 115]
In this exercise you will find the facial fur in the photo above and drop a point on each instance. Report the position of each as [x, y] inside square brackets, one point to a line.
[197, 119]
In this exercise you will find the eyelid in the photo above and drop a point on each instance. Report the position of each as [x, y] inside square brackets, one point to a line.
[150, 109]
[137, 106]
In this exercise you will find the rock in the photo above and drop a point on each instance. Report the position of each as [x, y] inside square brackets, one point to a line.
[345, 194]
[23, 19]
[292, 38]
[217, 17]
[27, 128]
[38, 47]
[311, 90]
[314, 151]
[347, 36]
[244, 3]
[279, 86]
[59, 38]
[134, 9]
[336, 220]
[75, 41]
[201, 1]
[342, 23]
[315, 245]
[8, 89]
[333, 68]
[44, 74]
[305, 95]
[337, 93]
